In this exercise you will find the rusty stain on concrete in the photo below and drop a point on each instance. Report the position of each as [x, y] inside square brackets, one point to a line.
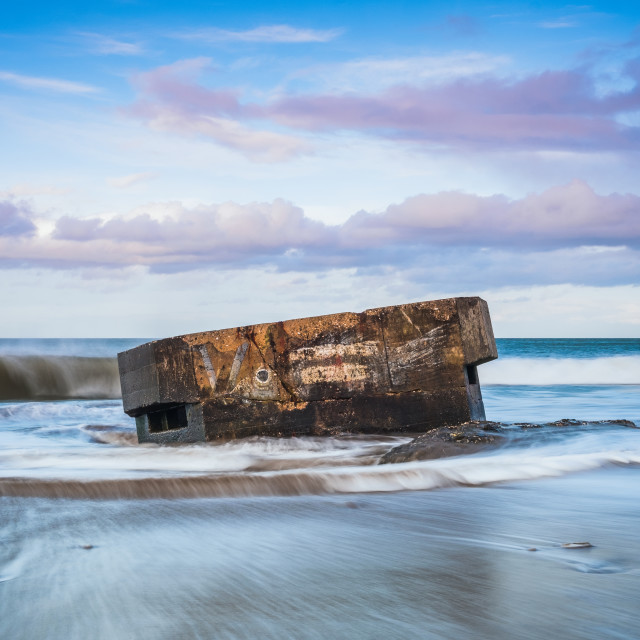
[406, 368]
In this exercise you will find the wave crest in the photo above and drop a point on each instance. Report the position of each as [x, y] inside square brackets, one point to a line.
[552, 371]
[472, 471]
[58, 378]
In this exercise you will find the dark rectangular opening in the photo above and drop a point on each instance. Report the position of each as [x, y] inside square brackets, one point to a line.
[472, 374]
[157, 422]
[172, 418]
[177, 417]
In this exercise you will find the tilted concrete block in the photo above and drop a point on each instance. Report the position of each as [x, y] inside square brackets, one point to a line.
[406, 368]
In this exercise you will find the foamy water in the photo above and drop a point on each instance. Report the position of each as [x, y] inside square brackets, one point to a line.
[560, 371]
[298, 466]
[75, 441]
[313, 538]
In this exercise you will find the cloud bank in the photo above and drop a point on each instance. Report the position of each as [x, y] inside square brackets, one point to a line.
[552, 110]
[567, 234]
[171, 100]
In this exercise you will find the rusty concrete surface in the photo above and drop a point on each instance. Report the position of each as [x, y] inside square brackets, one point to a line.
[406, 368]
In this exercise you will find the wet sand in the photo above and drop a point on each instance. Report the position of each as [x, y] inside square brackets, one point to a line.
[449, 563]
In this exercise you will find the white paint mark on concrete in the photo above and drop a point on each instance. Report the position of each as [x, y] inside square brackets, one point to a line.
[359, 350]
[241, 351]
[344, 373]
[208, 366]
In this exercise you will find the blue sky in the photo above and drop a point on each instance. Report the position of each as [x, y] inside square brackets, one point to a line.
[171, 168]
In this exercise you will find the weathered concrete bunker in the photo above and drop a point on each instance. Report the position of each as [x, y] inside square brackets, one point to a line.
[407, 368]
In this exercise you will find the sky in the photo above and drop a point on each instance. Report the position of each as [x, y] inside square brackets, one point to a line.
[176, 167]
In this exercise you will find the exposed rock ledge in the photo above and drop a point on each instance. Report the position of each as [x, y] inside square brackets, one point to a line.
[475, 436]
[447, 441]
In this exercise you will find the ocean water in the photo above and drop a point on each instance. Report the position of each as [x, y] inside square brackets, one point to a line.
[309, 537]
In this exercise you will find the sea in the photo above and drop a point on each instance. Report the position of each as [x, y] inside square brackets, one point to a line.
[311, 538]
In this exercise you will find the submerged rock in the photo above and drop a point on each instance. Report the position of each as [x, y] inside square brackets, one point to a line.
[571, 422]
[444, 442]
[478, 435]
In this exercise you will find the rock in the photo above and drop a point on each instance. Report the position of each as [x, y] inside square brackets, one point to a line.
[446, 442]
[566, 422]
[571, 422]
[577, 545]
[620, 423]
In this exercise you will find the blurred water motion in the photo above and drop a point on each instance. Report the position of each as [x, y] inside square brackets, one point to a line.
[446, 564]
[310, 538]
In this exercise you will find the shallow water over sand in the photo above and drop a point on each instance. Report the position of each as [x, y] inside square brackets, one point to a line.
[311, 537]
[451, 563]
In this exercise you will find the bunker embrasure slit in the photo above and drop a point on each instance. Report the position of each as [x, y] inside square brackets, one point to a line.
[168, 420]
[157, 422]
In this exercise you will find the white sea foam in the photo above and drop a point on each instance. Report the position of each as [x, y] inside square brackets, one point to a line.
[553, 371]
[472, 471]
[298, 467]
[413, 476]
[241, 455]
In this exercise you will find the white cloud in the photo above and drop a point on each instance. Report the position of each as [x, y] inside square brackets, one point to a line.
[122, 182]
[564, 310]
[110, 46]
[48, 84]
[276, 33]
[557, 24]
[372, 74]
[256, 145]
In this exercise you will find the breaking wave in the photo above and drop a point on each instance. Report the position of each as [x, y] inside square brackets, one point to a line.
[57, 378]
[463, 471]
[304, 466]
[554, 371]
